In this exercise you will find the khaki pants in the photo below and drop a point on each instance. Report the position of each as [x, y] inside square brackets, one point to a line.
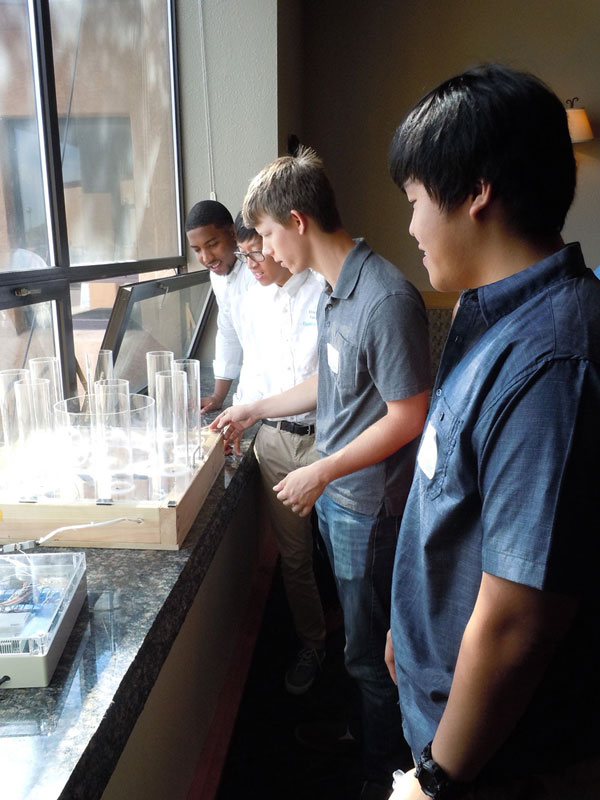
[278, 453]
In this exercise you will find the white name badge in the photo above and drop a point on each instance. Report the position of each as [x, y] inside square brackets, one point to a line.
[333, 358]
[427, 458]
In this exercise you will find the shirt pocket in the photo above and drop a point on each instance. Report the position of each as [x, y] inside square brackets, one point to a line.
[347, 361]
[436, 449]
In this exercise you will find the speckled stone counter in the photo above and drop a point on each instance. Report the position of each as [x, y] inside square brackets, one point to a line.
[64, 741]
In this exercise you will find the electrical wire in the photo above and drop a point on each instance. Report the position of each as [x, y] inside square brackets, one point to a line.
[29, 544]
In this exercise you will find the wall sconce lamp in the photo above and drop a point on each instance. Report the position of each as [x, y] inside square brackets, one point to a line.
[580, 129]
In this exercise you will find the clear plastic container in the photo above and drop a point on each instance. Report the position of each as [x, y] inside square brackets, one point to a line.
[40, 597]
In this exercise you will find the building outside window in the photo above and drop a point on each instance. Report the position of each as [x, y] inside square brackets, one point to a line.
[89, 169]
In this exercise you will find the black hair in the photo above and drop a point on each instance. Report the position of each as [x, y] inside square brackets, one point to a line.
[498, 125]
[242, 233]
[208, 212]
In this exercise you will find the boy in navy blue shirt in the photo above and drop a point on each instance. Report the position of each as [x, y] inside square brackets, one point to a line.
[494, 601]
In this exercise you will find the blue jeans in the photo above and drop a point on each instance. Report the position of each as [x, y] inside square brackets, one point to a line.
[361, 551]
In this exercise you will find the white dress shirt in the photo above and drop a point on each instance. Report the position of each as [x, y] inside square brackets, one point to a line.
[280, 345]
[229, 291]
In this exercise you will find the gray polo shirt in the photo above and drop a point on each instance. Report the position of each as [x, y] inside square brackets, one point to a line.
[373, 348]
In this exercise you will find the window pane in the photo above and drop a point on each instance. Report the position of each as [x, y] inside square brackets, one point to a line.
[158, 320]
[112, 68]
[27, 332]
[23, 228]
[92, 304]
[168, 322]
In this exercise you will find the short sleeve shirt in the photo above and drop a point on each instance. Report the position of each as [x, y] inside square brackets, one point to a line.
[373, 349]
[507, 483]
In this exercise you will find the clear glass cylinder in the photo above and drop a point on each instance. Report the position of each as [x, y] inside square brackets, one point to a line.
[34, 410]
[75, 428]
[99, 368]
[34, 457]
[142, 418]
[157, 361]
[8, 404]
[113, 446]
[48, 367]
[191, 367]
[171, 430]
[111, 395]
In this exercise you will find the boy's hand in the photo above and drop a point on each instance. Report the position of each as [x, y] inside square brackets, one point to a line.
[210, 403]
[301, 489]
[232, 423]
[408, 788]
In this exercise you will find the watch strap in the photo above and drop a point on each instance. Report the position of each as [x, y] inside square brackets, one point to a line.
[435, 781]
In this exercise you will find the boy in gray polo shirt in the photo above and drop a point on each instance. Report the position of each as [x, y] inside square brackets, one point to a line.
[371, 398]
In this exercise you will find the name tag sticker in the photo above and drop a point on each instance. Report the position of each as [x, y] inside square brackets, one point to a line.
[333, 358]
[427, 458]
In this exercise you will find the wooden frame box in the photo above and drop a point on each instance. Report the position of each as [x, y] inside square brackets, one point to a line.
[164, 525]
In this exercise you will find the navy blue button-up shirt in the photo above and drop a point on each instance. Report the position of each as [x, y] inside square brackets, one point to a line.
[507, 483]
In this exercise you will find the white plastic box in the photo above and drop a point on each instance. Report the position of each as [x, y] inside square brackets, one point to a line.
[41, 595]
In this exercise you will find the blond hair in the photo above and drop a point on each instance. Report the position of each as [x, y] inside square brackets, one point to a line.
[294, 182]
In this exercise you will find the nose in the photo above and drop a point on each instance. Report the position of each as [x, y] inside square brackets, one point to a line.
[410, 227]
[204, 256]
[267, 250]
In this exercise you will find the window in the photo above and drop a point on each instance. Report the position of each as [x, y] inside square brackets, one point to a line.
[89, 168]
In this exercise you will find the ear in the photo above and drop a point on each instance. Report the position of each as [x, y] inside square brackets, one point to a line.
[299, 220]
[481, 198]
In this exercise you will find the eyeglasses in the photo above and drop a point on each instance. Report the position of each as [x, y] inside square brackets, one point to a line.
[256, 255]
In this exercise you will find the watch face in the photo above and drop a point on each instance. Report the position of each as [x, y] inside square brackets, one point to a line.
[428, 781]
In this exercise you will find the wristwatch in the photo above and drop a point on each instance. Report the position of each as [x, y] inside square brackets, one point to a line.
[434, 780]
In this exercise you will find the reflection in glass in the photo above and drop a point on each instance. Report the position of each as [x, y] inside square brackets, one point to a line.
[23, 224]
[168, 321]
[27, 332]
[92, 303]
[113, 86]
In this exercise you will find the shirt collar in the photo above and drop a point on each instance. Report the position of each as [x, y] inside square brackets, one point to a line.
[294, 284]
[231, 276]
[351, 269]
[500, 298]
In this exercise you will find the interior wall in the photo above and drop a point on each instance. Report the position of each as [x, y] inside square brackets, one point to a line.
[365, 64]
[290, 49]
[241, 56]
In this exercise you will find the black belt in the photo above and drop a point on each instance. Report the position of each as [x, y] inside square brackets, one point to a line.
[290, 427]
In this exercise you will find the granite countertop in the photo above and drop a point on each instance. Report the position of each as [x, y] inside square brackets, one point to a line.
[63, 741]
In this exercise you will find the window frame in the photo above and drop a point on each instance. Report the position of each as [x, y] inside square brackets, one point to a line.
[54, 281]
[130, 294]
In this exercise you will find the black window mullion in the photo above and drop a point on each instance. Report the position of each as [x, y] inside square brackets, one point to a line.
[66, 342]
[51, 134]
[91, 272]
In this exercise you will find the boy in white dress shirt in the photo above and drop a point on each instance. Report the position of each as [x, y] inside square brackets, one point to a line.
[209, 230]
[282, 352]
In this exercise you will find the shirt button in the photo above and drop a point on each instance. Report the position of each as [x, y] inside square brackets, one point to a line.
[442, 415]
[438, 392]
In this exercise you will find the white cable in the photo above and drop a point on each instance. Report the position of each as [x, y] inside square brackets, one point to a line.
[211, 169]
[87, 525]
[16, 547]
